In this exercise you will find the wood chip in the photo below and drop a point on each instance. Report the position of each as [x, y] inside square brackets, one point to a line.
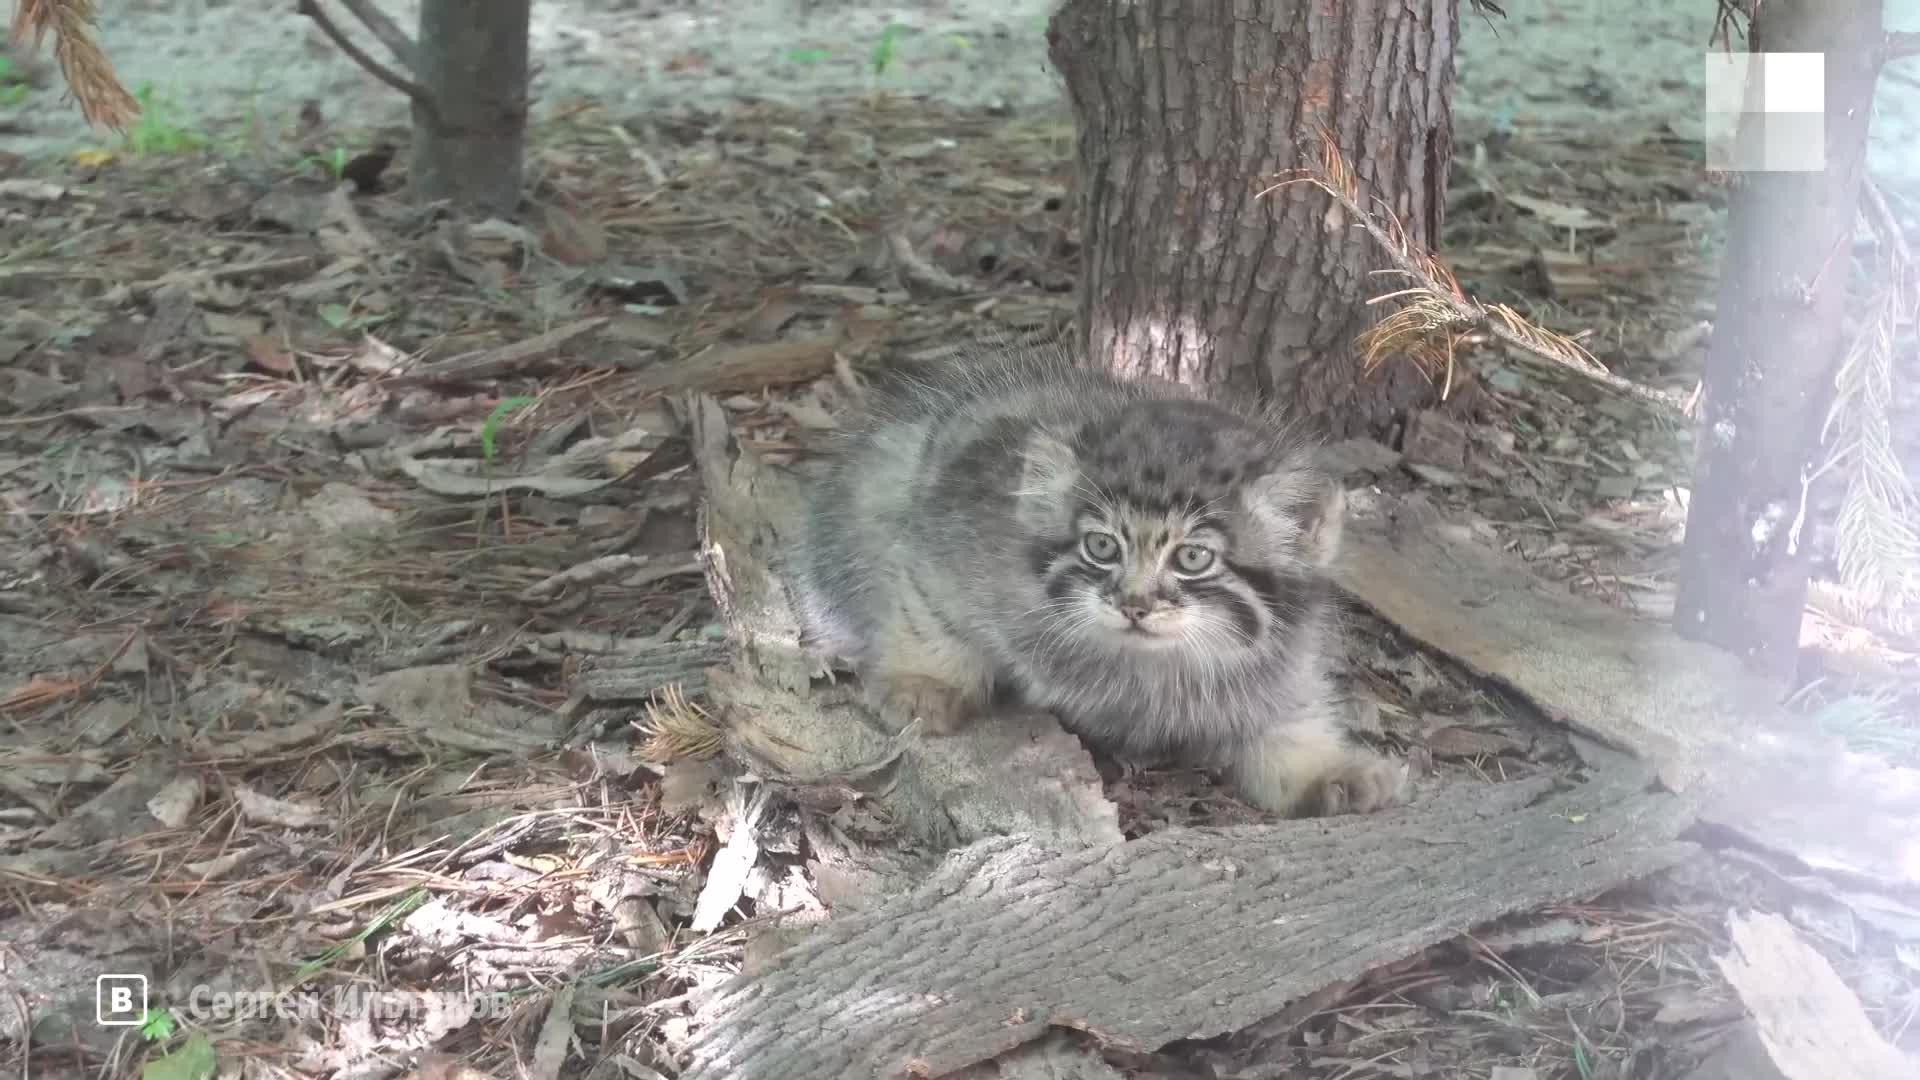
[1810, 1024]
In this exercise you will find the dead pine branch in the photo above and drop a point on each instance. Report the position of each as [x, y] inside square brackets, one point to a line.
[387, 32]
[90, 79]
[1436, 312]
[1879, 551]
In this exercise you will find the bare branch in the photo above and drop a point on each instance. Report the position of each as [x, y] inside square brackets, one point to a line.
[1900, 45]
[311, 9]
[389, 33]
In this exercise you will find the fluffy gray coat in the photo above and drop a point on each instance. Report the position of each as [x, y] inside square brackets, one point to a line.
[1149, 566]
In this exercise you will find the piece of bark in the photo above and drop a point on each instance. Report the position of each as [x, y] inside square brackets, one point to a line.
[747, 514]
[748, 368]
[1017, 773]
[634, 677]
[1433, 438]
[1810, 1025]
[1185, 933]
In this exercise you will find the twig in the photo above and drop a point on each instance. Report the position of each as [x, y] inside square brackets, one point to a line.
[63, 414]
[637, 569]
[45, 692]
[220, 273]
[1899, 45]
[488, 363]
[1886, 227]
[389, 33]
[311, 9]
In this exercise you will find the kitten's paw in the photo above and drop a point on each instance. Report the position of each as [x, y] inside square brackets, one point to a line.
[1359, 782]
[940, 708]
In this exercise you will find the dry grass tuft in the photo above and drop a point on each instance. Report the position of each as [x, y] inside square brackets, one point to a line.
[89, 74]
[676, 727]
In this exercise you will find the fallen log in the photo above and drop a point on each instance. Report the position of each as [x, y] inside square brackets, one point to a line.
[1689, 709]
[1186, 933]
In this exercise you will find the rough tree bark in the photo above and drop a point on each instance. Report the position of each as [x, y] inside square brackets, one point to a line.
[469, 134]
[1776, 342]
[1182, 934]
[1186, 110]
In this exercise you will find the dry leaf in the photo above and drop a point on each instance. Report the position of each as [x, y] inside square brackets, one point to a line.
[266, 810]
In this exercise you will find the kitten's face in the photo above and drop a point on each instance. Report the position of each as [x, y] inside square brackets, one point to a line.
[1152, 581]
[1170, 530]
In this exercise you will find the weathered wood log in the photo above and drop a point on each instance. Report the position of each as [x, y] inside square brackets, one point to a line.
[1691, 710]
[1632, 684]
[1186, 933]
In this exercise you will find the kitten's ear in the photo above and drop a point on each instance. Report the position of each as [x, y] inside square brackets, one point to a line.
[1047, 472]
[1325, 524]
[1308, 509]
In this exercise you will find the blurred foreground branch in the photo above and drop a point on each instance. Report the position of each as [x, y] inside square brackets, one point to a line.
[83, 64]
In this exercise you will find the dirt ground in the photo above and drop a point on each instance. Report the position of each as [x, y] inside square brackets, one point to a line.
[318, 511]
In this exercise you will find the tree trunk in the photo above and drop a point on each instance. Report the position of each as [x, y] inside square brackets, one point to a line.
[469, 144]
[1186, 110]
[1776, 344]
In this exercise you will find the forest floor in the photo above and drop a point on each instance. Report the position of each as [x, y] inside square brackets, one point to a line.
[317, 507]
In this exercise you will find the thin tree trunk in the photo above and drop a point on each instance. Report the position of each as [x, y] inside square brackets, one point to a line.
[469, 145]
[1776, 343]
[1186, 110]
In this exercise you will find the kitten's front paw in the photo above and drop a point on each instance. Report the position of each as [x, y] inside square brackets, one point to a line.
[1360, 782]
[942, 709]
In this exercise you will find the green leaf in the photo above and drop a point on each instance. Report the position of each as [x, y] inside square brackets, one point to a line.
[156, 1025]
[492, 425]
[883, 50]
[193, 1061]
[1580, 1062]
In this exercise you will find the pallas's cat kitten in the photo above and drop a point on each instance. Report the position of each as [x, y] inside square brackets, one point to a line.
[1148, 566]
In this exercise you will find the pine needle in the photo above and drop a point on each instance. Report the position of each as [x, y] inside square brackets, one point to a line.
[1879, 547]
[677, 728]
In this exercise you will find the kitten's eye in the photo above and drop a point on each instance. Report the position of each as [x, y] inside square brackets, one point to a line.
[1192, 558]
[1100, 547]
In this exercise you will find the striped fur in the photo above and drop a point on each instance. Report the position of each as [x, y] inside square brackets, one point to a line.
[1147, 565]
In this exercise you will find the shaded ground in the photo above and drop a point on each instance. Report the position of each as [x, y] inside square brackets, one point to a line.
[303, 557]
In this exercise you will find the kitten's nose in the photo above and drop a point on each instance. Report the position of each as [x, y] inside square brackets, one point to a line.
[1134, 610]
